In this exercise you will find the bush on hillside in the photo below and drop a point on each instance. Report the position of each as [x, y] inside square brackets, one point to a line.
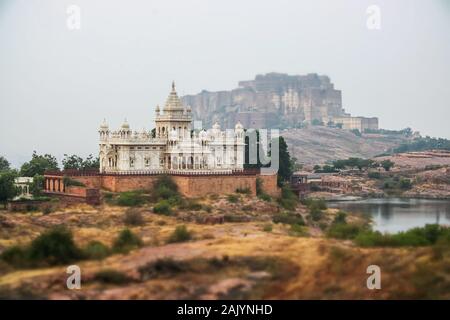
[54, 247]
[126, 241]
[180, 234]
[133, 217]
[131, 199]
[163, 207]
[96, 250]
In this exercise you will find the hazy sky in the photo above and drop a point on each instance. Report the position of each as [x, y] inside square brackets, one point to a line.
[57, 84]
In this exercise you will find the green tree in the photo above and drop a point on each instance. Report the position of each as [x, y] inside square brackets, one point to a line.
[54, 247]
[72, 162]
[37, 185]
[285, 169]
[77, 162]
[4, 164]
[91, 163]
[38, 164]
[387, 164]
[8, 189]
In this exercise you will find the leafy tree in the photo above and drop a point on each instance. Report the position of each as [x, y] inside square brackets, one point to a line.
[422, 144]
[38, 165]
[54, 247]
[295, 165]
[37, 185]
[72, 162]
[285, 169]
[317, 122]
[91, 163]
[76, 162]
[8, 189]
[387, 164]
[4, 164]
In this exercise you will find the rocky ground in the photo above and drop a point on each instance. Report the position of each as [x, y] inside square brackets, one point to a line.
[243, 256]
[319, 144]
[428, 172]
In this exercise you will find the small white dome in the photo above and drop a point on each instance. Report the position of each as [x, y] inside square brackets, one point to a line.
[125, 125]
[188, 109]
[238, 126]
[104, 125]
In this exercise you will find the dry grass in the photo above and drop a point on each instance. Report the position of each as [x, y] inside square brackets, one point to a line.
[314, 267]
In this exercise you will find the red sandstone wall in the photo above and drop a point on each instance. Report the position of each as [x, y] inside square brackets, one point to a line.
[269, 185]
[197, 186]
[189, 186]
[74, 190]
[127, 183]
[89, 181]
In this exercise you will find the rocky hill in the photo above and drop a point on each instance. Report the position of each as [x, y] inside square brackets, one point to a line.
[272, 100]
[319, 144]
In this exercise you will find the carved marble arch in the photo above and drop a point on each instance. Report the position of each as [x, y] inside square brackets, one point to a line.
[111, 158]
[102, 159]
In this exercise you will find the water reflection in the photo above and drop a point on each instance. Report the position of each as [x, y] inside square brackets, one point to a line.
[394, 215]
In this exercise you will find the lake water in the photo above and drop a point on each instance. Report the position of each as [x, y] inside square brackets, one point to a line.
[393, 215]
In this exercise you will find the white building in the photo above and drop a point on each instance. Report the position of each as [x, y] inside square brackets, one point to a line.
[23, 186]
[172, 146]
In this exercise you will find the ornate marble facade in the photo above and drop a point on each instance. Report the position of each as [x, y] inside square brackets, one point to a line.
[172, 146]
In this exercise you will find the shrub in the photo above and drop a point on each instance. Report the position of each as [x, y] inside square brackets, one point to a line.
[341, 217]
[313, 204]
[232, 198]
[165, 188]
[190, 204]
[374, 175]
[344, 231]
[162, 207]
[259, 187]
[126, 241]
[54, 247]
[15, 256]
[110, 276]
[133, 218]
[244, 190]
[180, 234]
[288, 218]
[265, 197]
[316, 214]
[298, 230]
[428, 235]
[108, 196]
[289, 199]
[163, 266]
[47, 210]
[130, 199]
[268, 227]
[96, 250]
[405, 184]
